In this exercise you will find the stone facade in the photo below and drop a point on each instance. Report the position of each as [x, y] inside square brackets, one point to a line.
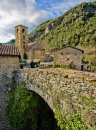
[35, 51]
[8, 62]
[70, 56]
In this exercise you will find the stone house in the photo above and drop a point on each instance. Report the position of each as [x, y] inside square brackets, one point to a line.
[70, 56]
[9, 58]
[35, 51]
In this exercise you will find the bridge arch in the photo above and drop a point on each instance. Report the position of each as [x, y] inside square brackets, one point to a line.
[68, 89]
[46, 98]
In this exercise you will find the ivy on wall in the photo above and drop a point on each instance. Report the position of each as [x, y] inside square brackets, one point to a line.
[27, 111]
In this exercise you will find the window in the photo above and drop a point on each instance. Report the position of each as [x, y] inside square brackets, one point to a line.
[23, 43]
[17, 30]
[23, 30]
[23, 46]
[23, 37]
[61, 53]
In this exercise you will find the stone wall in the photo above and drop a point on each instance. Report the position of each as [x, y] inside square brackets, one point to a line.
[67, 89]
[5, 83]
[6, 65]
[8, 62]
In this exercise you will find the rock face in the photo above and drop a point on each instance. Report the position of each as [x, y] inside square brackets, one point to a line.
[46, 29]
[84, 11]
[68, 89]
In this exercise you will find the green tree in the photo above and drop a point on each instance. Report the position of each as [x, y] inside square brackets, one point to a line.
[25, 56]
[22, 108]
[28, 111]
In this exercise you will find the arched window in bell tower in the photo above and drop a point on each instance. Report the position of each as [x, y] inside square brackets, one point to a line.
[17, 30]
[23, 37]
[23, 30]
[23, 45]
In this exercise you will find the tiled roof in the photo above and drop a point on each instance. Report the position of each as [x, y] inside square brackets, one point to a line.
[68, 47]
[20, 25]
[36, 46]
[9, 50]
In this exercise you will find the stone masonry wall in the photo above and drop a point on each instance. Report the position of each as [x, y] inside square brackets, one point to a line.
[67, 89]
[6, 65]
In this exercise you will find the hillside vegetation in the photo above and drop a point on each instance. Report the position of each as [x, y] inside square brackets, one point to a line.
[9, 43]
[77, 28]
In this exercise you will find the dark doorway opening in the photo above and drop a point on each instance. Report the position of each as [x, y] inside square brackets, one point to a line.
[82, 66]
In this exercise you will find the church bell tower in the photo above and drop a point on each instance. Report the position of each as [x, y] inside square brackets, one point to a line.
[21, 39]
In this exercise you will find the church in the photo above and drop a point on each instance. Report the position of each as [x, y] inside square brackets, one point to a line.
[30, 50]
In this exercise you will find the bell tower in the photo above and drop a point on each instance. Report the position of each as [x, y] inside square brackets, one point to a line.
[21, 37]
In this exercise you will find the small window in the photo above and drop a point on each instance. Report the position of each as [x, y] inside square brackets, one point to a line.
[23, 37]
[61, 53]
[23, 43]
[23, 30]
[17, 30]
[23, 46]
[67, 58]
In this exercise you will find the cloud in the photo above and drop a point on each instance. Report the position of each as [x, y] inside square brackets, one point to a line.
[57, 7]
[14, 12]
[29, 13]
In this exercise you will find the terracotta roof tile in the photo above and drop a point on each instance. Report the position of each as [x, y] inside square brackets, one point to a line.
[36, 46]
[9, 50]
[68, 47]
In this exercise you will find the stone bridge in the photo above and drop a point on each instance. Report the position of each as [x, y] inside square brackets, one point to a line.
[63, 89]
[67, 89]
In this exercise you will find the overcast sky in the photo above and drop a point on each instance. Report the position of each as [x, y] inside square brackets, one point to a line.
[30, 13]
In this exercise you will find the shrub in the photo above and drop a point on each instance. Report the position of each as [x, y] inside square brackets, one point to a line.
[64, 66]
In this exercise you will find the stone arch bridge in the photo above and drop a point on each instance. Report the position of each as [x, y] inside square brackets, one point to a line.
[60, 88]
[67, 89]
